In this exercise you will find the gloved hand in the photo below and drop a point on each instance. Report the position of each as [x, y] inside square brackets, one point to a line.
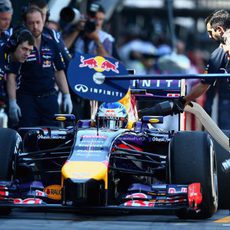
[14, 111]
[67, 103]
[178, 105]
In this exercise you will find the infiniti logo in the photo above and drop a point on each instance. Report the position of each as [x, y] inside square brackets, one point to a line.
[81, 88]
[96, 91]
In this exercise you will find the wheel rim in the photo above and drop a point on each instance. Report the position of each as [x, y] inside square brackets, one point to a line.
[214, 178]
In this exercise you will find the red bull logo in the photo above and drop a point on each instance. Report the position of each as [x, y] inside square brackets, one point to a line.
[100, 64]
[107, 66]
[90, 63]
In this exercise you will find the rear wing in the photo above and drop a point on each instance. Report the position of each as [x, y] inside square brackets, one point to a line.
[106, 79]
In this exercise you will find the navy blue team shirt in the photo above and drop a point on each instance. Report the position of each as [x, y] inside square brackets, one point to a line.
[217, 61]
[37, 74]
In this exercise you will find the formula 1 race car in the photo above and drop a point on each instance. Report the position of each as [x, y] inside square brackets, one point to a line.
[108, 163]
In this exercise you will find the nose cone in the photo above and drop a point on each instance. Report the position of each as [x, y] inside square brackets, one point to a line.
[85, 170]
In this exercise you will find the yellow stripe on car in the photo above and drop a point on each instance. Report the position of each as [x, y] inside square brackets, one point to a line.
[85, 170]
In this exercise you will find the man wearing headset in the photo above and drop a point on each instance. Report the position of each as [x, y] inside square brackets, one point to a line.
[14, 52]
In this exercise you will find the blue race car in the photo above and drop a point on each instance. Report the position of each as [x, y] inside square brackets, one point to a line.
[108, 163]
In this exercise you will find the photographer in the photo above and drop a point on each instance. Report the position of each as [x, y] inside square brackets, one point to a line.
[87, 36]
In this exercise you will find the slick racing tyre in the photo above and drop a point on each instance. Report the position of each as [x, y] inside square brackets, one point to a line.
[9, 145]
[223, 175]
[192, 159]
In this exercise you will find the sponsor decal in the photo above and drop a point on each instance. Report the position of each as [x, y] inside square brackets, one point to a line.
[157, 84]
[106, 92]
[94, 136]
[32, 55]
[161, 139]
[28, 201]
[84, 89]
[154, 120]
[46, 64]
[46, 56]
[99, 64]
[53, 137]
[110, 113]
[46, 49]
[184, 189]
[3, 192]
[137, 195]
[61, 118]
[81, 88]
[40, 193]
[133, 138]
[89, 62]
[53, 191]
[177, 189]
[173, 94]
[138, 203]
[31, 59]
[171, 190]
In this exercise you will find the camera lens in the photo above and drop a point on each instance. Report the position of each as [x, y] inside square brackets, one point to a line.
[90, 26]
[70, 15]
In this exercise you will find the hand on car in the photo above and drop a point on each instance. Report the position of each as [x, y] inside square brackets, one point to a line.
[178, 105]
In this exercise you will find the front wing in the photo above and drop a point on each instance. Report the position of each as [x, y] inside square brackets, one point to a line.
[160, 197]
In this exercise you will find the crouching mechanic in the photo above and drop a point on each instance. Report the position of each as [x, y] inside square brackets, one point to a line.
[35, 102]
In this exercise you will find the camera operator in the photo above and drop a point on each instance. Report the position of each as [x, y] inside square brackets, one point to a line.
[87, 36]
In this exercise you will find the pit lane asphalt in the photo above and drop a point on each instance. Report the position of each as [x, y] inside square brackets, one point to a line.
[24, 219]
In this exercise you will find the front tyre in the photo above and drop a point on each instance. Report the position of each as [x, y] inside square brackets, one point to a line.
[223, 175]
[10, 142]
[192, 159]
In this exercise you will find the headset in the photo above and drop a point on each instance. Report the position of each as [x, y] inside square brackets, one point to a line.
[16, 38]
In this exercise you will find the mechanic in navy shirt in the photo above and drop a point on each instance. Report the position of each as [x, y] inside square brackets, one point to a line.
[12, 53]
[36, 95]
[217, 24]
[51, 33]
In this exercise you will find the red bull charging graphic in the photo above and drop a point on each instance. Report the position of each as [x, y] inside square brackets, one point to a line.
[87, 78]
